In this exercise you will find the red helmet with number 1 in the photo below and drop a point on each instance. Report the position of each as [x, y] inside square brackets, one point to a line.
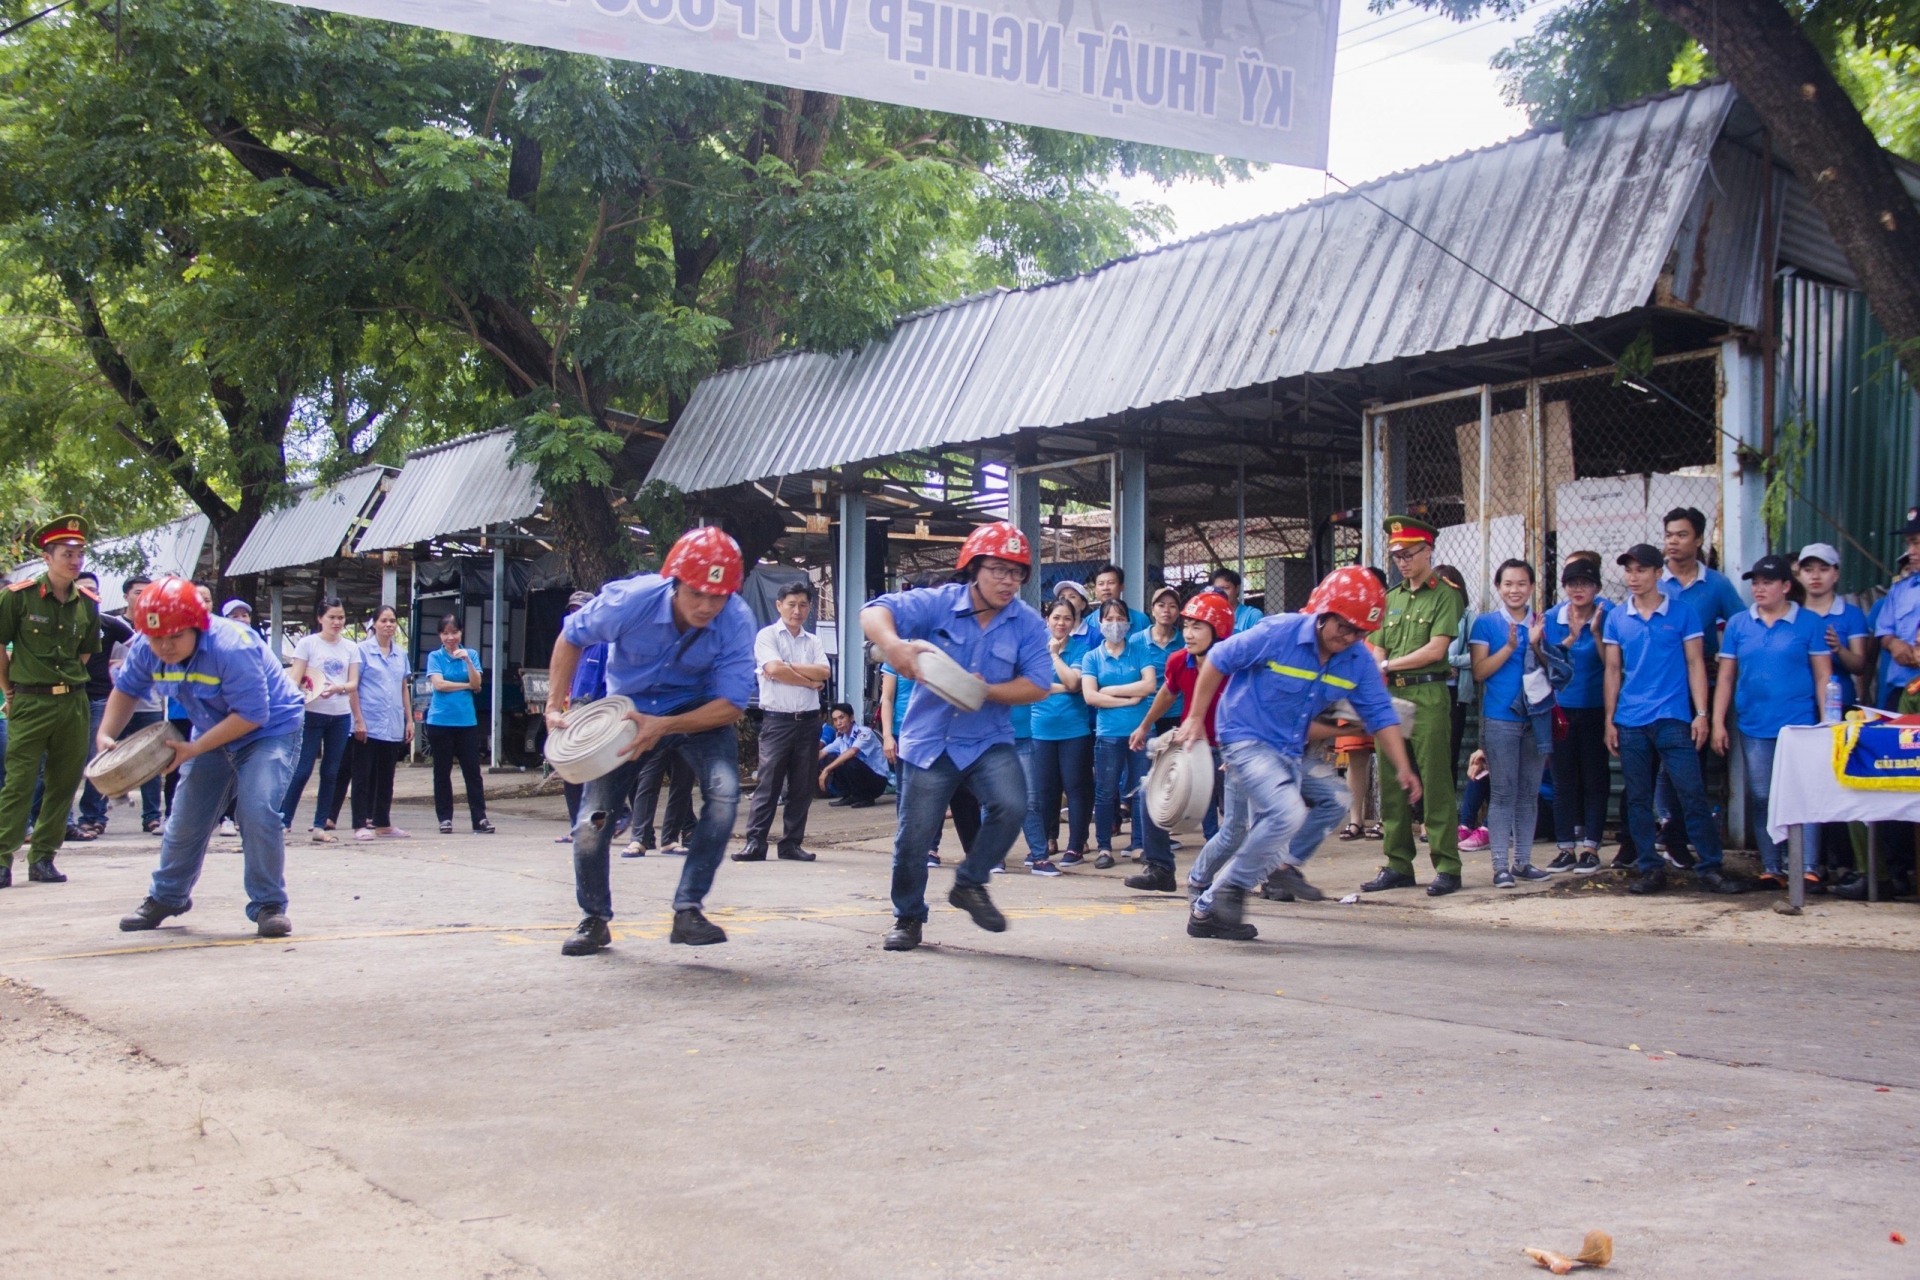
[706, 559]
[168, 607]
[1211, 608]
[1001, 541]
[1353, 593]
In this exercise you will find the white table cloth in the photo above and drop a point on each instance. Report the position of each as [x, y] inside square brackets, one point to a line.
[1805, 790]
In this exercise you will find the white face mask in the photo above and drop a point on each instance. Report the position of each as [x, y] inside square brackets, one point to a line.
[1115, 631]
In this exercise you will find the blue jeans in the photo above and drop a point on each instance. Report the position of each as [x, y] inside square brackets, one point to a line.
[1117, 770]
[1031, 826]
[1666, 803]
[1514, 765]
[324, 738]
[249, 776]
[1644, 751]
[1063, 765]
[996, 780]
[92, 806]
[1322, 790]
[713, 755]
[1757, 754]
[1267, 810]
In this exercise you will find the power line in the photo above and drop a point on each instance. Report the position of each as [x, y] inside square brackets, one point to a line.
[1393, 31]
[1460, 31]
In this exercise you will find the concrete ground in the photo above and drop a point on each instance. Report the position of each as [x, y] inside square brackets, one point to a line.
[417, 1084]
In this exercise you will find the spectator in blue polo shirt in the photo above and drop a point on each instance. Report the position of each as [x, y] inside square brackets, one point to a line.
[1228, 583]
[1110, 583]
[1713, 599]
[1656, 700]
[1899, 628]
[1580, 777]
[1843, 624]
[1118, 678]
[1773, 663]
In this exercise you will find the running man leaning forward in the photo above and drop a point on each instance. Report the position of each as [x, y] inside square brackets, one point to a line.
[980, 622]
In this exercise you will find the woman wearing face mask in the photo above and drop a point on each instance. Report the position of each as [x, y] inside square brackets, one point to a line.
[1506, 648]
[326, 668]
[1062, 729]
[1117, 678]
[385, 728]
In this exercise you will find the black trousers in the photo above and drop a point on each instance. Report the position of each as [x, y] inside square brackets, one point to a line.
[680, 820]
[349, 766]
[855, 781]
[790, 758]
[462, 742]
[374, 763]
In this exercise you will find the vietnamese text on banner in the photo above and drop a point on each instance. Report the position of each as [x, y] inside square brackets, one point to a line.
[1251, 78]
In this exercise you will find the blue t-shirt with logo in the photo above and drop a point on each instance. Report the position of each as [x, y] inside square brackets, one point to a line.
[1498, 690]
[1848, 620]
[1587, 688]
[1110, 671]
[1773, 684]
[1653, 662]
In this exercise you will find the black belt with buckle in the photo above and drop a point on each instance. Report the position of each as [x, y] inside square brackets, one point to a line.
[790, 715]
[1401, 682]
[47, 690]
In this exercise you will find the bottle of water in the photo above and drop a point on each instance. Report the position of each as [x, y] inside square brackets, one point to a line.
[1835, 700]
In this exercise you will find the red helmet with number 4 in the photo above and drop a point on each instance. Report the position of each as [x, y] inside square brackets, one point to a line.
[168, 607]
[1001, 541]
[706, 559]
[1353, 593]
[1213, 609]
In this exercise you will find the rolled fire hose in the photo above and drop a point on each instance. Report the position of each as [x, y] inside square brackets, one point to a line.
[592, 744]
[135, 759]
[1179, 784]
[949, 681]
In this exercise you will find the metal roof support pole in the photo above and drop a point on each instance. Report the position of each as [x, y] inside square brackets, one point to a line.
[1023, 507]
[1482, 588]
[498, 728]
[1129, 542]
[1743, 532]
[276, 620]
[1240, 515]
[1369, 486]
[389, 585]
[851, 583]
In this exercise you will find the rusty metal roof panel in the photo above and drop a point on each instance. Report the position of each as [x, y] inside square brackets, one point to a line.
[457, 487]
[317, 525]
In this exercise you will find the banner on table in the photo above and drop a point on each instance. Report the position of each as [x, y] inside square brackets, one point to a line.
[1245, 80]
[1877, 757]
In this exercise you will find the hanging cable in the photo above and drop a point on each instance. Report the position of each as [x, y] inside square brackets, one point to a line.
[29, 21]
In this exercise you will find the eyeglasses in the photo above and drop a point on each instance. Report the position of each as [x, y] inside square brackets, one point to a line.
[1003, 572]
[1405, 553]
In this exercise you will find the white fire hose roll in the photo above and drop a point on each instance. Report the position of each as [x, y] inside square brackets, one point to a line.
[1343, 710]
[135, 759]
[1180, 783]
[949, 681]
[593, 743]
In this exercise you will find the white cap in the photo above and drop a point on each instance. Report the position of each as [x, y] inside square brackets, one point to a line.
[1821, 551]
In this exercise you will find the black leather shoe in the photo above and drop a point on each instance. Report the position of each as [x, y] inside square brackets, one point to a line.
[1153, 880]
[1717, 880]
[751, 853]
[1855, 890]
[1104, 861]
[590, 936]
[1389, 879]
[149, 914]
[798, 855]
[1287, 879]
[693, 929]
[1229, 905]
[1213, 927]
[973, 899]
[42, 872]
[483, 828]
[904, 936]
[272, 922]
[1649, 881]
[1443, 882]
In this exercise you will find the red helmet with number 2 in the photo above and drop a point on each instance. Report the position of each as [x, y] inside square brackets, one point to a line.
[1353, 593]
[1001, 541]
[168, 607]
[1211, 608]
[706, 559]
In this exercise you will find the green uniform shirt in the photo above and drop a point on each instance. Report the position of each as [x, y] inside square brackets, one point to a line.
[50, 640]
[1415, 617]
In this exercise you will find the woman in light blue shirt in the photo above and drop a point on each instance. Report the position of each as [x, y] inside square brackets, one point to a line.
[1062, 733]
[1506, 649]
[1117, 679]
[383, 711]
[453, 727]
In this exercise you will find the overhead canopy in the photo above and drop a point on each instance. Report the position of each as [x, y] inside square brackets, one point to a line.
[459, 487]
[1581, 223]
[318, 525]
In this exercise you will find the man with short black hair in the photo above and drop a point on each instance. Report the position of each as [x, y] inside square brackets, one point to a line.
[853, 767]
[793, 670]
[1228, 582]
[1109, 583]
[1713, 599]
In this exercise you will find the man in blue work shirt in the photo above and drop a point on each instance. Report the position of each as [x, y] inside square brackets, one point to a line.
[247, 717]
[1713, 599]
[1898, 627]
[1655, 690]
[680, 645]
[1285, 672]
[1227, 582]
[981, 623]
[1110, 583]
[853, 767]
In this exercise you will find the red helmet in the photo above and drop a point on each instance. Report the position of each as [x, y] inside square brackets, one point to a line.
[168, 607]
[1353, 593]
[1001, 541]
[706, 560]
[1211, 608]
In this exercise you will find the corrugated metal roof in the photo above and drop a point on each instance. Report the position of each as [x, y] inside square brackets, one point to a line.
[314, 527]
[453, 488]
[1579, 223]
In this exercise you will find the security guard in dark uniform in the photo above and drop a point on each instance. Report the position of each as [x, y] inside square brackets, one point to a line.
[1423, 617]
[49, 625]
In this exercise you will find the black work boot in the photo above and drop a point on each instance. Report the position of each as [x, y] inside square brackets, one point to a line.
[1443, 882]
[693, 929]
[149, 914]
[1155, 879]
[42, 872]
[973, 899]
[1199, 926]
[272, 922]
[904, 936]
[1287, 879]
[1717, 880]
[588, 937]
[1389, 879]
[1650, 881]
[1229, 905]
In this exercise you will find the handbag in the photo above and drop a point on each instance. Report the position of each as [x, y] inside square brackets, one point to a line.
[1561, 725]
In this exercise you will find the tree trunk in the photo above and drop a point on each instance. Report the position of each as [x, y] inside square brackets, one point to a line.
[1851, 181]
[794, 127]
[589, 536]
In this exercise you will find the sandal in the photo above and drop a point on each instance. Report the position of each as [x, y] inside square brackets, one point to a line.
[1351, 831]
[1373, 832]
[152, 827]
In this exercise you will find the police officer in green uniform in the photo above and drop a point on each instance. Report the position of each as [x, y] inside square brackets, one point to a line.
[49, 625]
[1423, 617]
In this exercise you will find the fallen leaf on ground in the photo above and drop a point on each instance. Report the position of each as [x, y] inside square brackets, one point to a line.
[1595, 1251]
[1896, 1237]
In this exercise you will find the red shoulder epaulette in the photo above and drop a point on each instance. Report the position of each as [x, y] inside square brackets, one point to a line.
[88, 592]
[22, 585]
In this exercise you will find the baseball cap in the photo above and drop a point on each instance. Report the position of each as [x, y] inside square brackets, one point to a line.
[234, 606]
[1771, 569]
[1642, 554]
[579, 600]
[1824, 552]
[1580, 571]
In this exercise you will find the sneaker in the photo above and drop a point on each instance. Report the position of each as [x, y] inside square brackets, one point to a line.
[1623, 861]
[1589, 863]
[997, 869]
[1153, 880]
[1475, 840]
[446, 828]
[226, 827]
[1567, 860]
[483, 828]
[1199, 926]
[1042, 867]
[1287, 879]
[273, 923]
[1532, 873]
[589, 936]
[1072, 858]
[1503, 879]
[933, 859]
[1104, 861]
[692, 928]
[149, 914]
[973, 899]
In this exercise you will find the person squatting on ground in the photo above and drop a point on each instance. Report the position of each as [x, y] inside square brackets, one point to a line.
[792, 669]
[680, 645]
[853, 768]
[980, 622]
[53, 624]
[1285, 672]
[247, 719]
[1207, 619]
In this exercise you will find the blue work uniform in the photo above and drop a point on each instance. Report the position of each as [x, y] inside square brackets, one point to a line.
[1064, 715]
[383, 684]
[865, 743]
[452, 709]
[1713, 599]
[231, 672]
[1897, 615]
[1502, 687]
[653, 662]
[1773, 684]
[1108, 670]
[1848, 621]
[1160, 654]
[1653, 662]
[1246, 618]
[590, 677]
[1280, 684]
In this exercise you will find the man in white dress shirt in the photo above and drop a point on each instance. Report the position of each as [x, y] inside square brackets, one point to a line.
[793, 670]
